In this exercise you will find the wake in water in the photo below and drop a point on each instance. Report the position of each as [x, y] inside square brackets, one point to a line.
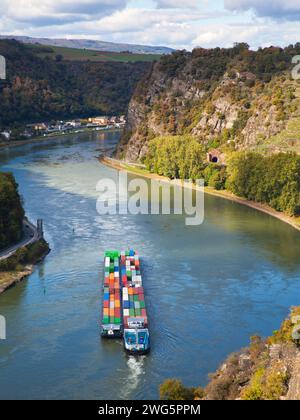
[136, 370]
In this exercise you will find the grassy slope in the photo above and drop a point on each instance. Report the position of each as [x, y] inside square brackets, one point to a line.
[289, 138]
[74, 54]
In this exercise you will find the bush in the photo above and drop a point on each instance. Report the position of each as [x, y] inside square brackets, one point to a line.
[26, 255]
[173, 389]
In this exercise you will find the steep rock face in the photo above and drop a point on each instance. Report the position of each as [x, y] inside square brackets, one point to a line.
[269, 369]
[228, 98]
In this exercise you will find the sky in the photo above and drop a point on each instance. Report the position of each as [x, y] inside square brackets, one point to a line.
[175, 23]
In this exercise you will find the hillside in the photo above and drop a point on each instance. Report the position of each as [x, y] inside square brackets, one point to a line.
[11, 211]
[43, 88]
[92, 45]
[234, 99]
[269, 369]
[77, 54]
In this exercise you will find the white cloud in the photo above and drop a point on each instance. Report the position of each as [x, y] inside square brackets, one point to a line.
[177, 4]
[279, 9]
[49, 12]
[262, 33]
[179, 24]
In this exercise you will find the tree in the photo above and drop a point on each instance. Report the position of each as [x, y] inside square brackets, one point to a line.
[11, 211]
[173, 389]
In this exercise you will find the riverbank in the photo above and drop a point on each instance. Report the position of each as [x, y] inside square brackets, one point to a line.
[22, 264]
[140, 170]
[11, 278]
[17, 143]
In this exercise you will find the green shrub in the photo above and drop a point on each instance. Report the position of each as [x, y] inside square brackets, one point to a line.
[173, 389]
[254, 391]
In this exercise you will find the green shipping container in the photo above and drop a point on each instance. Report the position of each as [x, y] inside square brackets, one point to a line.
[135, 298]
[105, 320]
[138, 312]
[142, 305]
[117, 321]
[131, 312]
[112, 319]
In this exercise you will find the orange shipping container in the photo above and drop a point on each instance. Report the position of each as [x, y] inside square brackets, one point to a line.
[117, 304]
[106, 312]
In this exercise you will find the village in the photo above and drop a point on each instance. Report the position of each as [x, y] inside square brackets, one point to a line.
[53, 128]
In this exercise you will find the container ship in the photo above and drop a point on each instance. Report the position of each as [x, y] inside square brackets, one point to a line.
[123, 283]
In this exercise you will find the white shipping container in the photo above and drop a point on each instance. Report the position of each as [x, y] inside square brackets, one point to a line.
[126, 312]
[112, 305]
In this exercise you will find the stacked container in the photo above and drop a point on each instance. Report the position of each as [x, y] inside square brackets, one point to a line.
[132, 292]
[112, 291]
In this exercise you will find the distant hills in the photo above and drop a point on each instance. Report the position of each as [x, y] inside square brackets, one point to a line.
[40, 87]
[91, 45]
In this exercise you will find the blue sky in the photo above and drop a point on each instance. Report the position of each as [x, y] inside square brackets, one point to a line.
[175, 23]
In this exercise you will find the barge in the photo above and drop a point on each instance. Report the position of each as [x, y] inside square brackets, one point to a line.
[123, 283]
[111, 321]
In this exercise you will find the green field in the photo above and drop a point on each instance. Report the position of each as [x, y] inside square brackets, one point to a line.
[75, 54]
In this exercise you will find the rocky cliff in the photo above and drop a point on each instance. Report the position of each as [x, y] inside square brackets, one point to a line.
[267, 370]
[229, 98]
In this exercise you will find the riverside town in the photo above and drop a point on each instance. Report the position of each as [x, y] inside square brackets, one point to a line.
[54, 128]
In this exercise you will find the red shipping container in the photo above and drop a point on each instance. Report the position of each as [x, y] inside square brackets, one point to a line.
[117, 312]
[141, 298]
[106, 304]
[144, 312]
[140, 290]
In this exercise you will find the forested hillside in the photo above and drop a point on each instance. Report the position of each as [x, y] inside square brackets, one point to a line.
[11, 211]
[42, 88]
[233, 99]
[242, 105]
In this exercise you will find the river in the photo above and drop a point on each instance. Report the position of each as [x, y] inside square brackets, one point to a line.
[208, 288]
